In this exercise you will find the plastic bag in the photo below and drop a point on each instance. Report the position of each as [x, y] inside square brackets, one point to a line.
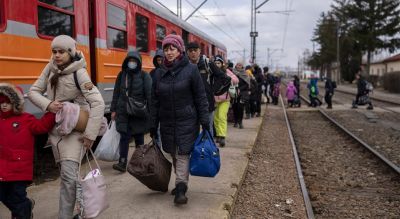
[108, 148]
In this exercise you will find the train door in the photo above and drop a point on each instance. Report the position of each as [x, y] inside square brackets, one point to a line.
[92, 40]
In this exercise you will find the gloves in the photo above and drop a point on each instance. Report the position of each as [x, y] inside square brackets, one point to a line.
[205, 127]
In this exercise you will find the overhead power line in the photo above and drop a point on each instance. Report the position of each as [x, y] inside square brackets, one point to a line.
[216, 26]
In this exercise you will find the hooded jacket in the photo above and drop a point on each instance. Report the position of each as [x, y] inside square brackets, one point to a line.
[17, 137]
[88, 97]
[139, 87]
[291, 91]
[179, 104]
[159, 53]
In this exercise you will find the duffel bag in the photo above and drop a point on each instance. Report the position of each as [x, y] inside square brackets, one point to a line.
[150, 167]
[204, 159]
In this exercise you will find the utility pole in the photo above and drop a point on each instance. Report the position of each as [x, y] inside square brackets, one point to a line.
[338, 52]
[179, 8]
[253, 32]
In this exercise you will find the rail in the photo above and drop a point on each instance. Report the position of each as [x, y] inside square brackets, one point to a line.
[306, 198]
[363, 143]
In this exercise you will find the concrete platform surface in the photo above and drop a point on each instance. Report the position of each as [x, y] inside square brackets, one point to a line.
[208, 197]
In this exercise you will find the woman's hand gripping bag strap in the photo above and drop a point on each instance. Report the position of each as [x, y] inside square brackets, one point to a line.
[205, 159]
[150, 167]
[94, 190]
[108, 147]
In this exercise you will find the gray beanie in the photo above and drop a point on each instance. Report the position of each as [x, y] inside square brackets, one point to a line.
[66, 43]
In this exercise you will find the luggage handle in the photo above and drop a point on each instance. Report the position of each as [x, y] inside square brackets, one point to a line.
[90, 166]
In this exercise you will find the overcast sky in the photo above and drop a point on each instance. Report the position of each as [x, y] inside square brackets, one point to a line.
[271, 26]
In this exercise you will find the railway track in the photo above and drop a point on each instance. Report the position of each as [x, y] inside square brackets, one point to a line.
[340, 175]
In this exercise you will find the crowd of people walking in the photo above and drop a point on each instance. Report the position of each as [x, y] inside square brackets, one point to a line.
[172, 103]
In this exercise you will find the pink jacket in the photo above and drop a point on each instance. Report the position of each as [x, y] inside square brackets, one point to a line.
[225, 96]
[291, 91]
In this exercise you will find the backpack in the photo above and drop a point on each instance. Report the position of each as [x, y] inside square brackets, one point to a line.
[219, 84]
[334, 84]
[313, 90]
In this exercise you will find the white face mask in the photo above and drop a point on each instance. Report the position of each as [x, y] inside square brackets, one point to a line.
[132, 65]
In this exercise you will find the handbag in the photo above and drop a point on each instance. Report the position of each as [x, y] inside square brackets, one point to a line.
[135, 107]
[150, 167]
[94, 191]
[205, 159]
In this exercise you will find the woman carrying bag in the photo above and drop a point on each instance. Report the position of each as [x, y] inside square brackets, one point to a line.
[179, 104]
[132, 86]
[65, 78]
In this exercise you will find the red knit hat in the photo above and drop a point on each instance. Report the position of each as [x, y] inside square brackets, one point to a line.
[174, 40]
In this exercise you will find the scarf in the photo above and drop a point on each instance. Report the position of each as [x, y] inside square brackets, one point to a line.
[169, 64]
[242, 74]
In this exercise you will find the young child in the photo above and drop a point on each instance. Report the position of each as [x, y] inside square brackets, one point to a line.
[291, 93]
[18, 130]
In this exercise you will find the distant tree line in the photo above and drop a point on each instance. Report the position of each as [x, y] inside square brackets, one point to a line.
[361, 27]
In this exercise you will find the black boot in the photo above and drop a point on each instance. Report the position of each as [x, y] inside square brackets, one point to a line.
[241, 125]
[121, 165]
[222, 142]
[180, 197]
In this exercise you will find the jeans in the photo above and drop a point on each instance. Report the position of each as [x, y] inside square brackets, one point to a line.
[68, 187]
[181, 165]
[124, 143]
[13, 195]
[211, 122]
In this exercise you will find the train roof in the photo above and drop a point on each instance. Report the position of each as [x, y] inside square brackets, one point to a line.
[167, 15]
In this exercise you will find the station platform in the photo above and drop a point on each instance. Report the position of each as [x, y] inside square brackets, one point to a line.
[208, 197]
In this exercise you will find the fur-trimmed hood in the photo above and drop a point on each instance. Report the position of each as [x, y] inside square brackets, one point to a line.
[15, 96]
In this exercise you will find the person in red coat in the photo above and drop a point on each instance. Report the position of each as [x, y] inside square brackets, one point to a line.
[18, 130]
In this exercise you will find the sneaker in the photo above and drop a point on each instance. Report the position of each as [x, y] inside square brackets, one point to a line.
[217, 139]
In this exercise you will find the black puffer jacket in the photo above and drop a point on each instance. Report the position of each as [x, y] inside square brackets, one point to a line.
[139, 86]
[180, 104]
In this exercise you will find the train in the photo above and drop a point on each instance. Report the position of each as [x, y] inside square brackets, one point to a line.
[105, 30]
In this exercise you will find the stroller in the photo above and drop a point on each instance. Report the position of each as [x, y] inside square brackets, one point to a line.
[363, 100]
[297, 101]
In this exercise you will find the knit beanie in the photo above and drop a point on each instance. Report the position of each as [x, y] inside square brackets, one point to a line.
[66, 43]
[174, 40]
[219, 58]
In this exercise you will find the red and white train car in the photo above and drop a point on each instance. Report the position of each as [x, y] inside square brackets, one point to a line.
[104, 30]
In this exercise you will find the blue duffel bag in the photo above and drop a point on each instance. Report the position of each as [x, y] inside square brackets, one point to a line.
[204, 160]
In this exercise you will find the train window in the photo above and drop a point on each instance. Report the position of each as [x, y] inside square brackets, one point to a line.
[63, 4]
[161, 33]
[142, 33]
[56, 18]
[116, 27]
[2, 16]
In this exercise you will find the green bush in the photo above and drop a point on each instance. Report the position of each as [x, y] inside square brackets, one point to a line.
[391, 82]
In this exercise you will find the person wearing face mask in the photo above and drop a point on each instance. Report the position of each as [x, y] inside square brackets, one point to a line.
[135, 83]
[179, 105]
